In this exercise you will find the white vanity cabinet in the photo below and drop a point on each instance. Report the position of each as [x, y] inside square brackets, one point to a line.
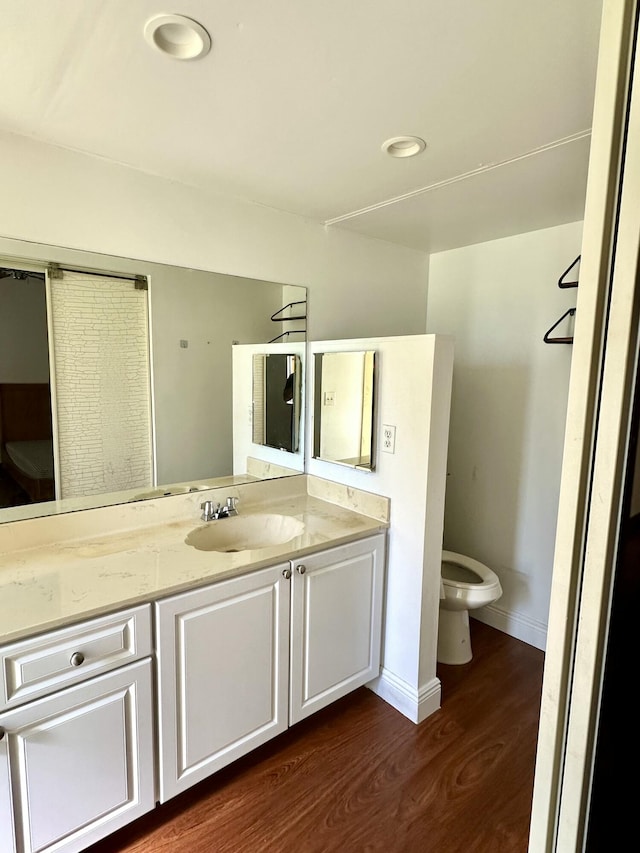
[76, 763]
[336, 623]
[241, 660]
[223, 654]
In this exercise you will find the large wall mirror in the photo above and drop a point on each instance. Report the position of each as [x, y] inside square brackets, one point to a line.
[124, 368]
[343, 408]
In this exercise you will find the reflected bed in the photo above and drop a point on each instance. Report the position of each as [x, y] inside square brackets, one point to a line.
[26, 447]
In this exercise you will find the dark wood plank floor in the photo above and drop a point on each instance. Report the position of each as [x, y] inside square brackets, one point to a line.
[359, 776]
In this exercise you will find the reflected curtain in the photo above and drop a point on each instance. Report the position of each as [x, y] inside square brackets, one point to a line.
[101, 375]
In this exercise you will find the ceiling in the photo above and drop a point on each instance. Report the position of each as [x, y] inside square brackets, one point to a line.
[293, 102]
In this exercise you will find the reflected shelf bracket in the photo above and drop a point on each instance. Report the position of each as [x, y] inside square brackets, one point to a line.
[561, 339]
[286, 334]
[277, 315]
[566, 284]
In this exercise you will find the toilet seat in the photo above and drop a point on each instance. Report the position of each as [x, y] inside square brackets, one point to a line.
[466, 573]
[480, 585]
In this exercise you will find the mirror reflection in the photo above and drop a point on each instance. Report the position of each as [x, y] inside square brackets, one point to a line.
[343, 408]
[123, 370]
[276, 400]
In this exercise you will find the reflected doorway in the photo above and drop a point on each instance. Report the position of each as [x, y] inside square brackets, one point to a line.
[26, 429]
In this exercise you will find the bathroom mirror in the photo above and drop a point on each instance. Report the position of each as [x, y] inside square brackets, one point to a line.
[343, 407]
[276, 400]
[195, 320]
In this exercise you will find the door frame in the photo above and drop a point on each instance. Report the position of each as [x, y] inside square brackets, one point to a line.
[597, 436]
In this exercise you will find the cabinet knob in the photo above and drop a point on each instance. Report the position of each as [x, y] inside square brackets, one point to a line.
[77, 659]
[286, 574]
[301, 569]
[1, 734]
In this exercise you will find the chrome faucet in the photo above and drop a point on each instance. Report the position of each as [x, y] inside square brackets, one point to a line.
[212, 511]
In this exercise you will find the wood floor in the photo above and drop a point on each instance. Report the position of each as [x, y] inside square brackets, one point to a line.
[359, 776]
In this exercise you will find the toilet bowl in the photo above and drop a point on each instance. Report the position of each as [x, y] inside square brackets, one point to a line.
[466, 585]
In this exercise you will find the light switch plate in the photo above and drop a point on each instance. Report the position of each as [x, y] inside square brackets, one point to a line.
[388, 438]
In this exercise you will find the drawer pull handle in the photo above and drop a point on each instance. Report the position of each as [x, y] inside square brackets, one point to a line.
[77, 659]
[301, 569]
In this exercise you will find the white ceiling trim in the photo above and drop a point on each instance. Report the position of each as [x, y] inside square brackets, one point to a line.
[567, 140]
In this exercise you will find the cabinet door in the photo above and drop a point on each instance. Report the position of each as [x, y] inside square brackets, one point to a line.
[223, 673]
[79, 764]
[336, 623]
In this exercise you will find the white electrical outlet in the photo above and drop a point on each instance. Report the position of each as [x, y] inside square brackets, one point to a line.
[388, 438]
[329, 398]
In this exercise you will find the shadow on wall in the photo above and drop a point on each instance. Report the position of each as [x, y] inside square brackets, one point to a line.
[488, 434]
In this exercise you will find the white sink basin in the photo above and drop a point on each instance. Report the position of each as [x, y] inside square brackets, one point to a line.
[245, 533]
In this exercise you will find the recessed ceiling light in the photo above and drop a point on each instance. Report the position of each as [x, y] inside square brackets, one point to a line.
[404, 146]
[177, 36]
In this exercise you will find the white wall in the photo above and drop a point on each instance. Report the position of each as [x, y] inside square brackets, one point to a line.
[357, 286]
[413, 392]
[508, 411]
[193, 384]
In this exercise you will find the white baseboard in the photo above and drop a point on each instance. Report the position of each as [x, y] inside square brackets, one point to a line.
[414, 704]
[515, 624]
[419, 704]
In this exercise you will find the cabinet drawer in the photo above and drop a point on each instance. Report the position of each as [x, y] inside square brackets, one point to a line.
[39, 665]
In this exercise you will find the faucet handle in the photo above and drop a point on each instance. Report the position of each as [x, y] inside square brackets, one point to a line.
[230, 508]
[208, 510]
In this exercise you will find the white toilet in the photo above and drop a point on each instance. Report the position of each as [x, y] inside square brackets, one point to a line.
[466, 585]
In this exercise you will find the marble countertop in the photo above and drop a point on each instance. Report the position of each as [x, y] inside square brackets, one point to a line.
[59, 583]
